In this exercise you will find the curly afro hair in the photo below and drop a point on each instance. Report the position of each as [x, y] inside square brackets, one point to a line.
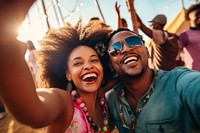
[57, 45]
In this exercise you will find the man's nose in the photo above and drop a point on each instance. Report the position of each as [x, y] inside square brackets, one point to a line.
[126, 47]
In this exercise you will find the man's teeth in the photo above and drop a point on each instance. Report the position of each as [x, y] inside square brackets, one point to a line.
[130, 59]
[89, 76]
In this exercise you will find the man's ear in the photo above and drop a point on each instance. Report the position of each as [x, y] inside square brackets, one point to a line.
[148, 52]
[68, 76]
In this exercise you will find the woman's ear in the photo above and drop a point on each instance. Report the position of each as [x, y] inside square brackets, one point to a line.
[68, 76]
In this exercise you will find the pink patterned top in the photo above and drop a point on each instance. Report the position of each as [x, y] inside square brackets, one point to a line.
[79, 123]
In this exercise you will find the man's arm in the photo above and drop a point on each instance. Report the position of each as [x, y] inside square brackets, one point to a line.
[144, 28]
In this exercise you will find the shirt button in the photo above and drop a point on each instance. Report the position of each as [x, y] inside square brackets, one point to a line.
[161, 129]
[130, 112]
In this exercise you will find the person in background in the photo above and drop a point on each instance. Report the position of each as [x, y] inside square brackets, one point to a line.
[163, 46]
[31, 59]
[190, 40]
[121, 22]
[94, 19]
[149, 100]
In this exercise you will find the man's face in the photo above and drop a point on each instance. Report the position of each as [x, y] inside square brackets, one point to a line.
[154, 25]
[130, 61]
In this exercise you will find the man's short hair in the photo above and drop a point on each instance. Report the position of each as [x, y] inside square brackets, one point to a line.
[191, 9]
[123, 29]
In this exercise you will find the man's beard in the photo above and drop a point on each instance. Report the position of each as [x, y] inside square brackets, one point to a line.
[136, 75]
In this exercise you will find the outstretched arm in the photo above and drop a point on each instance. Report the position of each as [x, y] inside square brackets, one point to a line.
[17, 88]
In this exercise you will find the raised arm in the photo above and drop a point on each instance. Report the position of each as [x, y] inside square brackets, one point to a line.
[119, 20]
[144, 28]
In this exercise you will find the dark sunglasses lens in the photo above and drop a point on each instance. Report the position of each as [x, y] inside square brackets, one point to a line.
[133, 41]
[116, 47]
[114, 52]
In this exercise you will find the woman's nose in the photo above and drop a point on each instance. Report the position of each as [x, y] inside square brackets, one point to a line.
[88, 65]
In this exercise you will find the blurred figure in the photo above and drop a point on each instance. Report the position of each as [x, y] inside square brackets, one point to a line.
[190, 39]
[94, 19]
[163, 47]
[121, 22]
[31, 59]
[124, 23]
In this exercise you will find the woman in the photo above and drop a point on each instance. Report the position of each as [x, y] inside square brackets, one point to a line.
[63, 57]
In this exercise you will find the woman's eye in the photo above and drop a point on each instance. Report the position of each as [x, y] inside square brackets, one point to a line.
[77, 63]
[95, 60]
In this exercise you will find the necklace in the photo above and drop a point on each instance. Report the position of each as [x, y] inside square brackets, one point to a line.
[78, 100]
[139, 109]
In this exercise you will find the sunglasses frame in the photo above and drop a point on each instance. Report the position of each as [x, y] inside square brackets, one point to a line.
[122, 44]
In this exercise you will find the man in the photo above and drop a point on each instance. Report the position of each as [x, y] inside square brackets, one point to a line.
[148, 100]
[163, 46]
[190, 40]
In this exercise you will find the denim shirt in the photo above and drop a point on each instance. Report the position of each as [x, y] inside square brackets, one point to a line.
[173, 107]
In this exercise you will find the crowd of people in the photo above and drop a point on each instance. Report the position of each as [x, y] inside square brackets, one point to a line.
[92, 79]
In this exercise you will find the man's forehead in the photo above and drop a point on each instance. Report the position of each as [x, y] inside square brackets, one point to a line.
[120, 36]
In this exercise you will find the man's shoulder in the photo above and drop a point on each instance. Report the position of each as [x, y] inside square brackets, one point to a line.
[111, 94]
[116, 88]
[176, 72]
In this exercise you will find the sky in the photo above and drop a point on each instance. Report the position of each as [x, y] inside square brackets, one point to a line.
[34, 26]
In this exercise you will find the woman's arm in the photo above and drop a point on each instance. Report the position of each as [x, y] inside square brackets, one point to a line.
[36, 109]
[17, 88]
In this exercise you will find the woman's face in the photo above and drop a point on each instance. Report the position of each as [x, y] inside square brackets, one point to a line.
[85, 69]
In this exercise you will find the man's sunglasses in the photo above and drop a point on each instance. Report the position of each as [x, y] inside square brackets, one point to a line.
[131, 41]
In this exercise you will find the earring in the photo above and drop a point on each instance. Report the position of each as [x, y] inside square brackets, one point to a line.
[115, 75]
[69, 86]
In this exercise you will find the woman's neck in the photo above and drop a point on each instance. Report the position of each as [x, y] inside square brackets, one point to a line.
[92, 103]
[90, 99]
